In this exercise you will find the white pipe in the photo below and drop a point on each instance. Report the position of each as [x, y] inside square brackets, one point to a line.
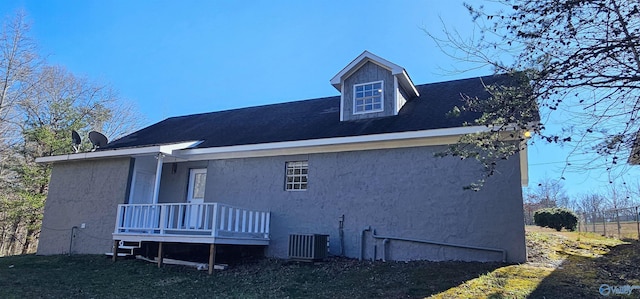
[387, 238]
[384, 249]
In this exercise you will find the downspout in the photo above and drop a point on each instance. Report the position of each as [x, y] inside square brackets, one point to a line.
[341, 234]
[365, 229]
[387, 238]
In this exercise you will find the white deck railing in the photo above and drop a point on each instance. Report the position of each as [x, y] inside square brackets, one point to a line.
[214, 219]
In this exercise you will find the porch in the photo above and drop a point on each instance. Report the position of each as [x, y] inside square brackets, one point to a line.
[205, 223]
[202, 223]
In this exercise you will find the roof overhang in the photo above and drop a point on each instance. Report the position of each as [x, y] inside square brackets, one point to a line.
[335, 144]
[366, 56]
[186, 152]
[166, 149]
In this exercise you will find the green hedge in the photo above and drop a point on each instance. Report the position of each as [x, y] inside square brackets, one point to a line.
[556, 218]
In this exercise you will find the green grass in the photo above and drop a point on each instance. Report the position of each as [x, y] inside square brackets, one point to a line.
[562, 265]
[87, 276]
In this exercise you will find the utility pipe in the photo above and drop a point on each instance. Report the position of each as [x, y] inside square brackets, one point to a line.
[341, 234]
[365, 229]
[384, 249]
[387, 238]
[73, 235]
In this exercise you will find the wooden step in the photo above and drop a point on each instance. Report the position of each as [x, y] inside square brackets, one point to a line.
[130, 243]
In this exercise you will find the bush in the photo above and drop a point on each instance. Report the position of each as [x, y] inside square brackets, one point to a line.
[556, 218]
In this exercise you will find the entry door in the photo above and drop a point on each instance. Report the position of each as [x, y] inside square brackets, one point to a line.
[195, 195]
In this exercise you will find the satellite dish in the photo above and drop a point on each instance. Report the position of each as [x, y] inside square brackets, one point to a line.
[75, 137]
[97, 139]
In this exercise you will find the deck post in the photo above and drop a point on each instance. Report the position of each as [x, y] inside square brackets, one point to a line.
[116, 244]
[212, 258]
[159, 254]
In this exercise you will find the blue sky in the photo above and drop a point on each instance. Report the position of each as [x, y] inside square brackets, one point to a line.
[183, 57]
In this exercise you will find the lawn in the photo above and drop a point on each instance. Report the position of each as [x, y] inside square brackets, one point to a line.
[562, 265]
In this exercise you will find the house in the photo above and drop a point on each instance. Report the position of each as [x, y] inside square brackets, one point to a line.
[358, 167]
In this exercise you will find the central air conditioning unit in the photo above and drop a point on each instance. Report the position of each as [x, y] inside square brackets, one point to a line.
[308, 247]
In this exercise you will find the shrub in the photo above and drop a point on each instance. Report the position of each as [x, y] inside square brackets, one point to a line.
[556, 218]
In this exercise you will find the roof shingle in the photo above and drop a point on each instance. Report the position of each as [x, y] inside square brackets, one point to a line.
[312, 119]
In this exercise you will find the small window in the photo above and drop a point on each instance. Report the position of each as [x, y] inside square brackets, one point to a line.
[297, 176]
[368, 97]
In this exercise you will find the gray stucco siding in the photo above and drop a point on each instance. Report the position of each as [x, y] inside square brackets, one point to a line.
[369, 72]
[398, 192]
[174, 181]
[83, 192]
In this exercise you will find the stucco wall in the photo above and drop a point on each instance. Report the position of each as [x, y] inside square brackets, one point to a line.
[401, 193]
[174, 181]
[369, 72]
[83, 192]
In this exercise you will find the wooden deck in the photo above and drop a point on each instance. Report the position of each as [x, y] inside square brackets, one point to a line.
[207, 223]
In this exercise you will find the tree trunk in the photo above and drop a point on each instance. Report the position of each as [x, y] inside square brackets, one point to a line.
[13, 239]
[3, 236]
[30, 235]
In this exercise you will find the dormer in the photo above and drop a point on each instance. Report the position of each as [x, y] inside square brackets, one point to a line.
[372, 87]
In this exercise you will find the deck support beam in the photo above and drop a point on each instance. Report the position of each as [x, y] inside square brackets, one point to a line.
[116, 244]
[212, 258]
[160, 254]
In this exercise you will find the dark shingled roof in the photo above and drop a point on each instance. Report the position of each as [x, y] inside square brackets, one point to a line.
[311, 119]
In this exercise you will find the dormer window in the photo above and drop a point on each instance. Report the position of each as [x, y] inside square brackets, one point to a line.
[368, 97]
[372, 87]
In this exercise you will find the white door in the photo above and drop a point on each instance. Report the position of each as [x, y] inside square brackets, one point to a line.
[195, 195]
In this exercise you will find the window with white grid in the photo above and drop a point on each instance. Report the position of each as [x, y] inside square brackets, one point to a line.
[367, 97]
[297, 176]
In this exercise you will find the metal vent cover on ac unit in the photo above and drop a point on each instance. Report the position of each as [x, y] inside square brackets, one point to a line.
[308, 247]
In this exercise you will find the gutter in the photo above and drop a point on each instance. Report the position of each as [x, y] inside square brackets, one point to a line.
[166, 149]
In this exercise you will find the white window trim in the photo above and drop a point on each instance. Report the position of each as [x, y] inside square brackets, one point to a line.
[381, 98]
[306, 175]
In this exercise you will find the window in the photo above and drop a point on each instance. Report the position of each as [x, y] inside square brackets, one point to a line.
[367, 97]
[297, 176]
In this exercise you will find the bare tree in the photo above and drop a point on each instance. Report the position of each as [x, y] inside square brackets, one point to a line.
[550, 193]
[18, 59]
[582, 59]
[40, 106]
[547, 193]
[591, 205]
